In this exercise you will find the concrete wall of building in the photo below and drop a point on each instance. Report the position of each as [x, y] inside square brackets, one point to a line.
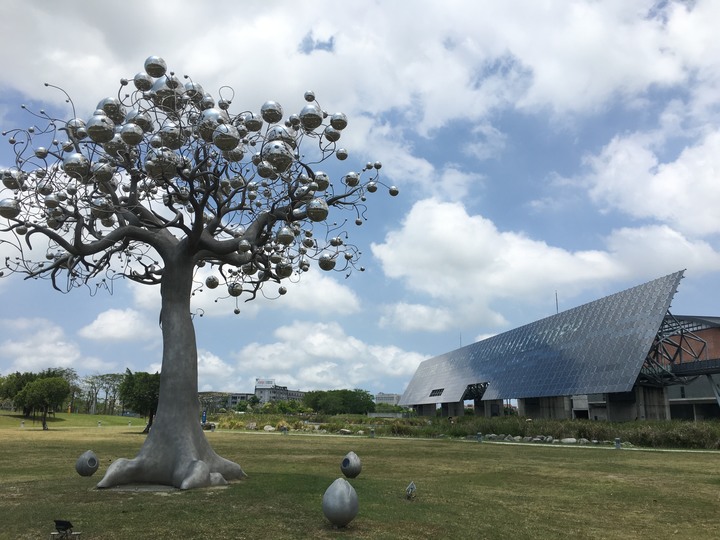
[452, 409]
[426, 409]
[488, 408]
[558, 407]
[642, 403]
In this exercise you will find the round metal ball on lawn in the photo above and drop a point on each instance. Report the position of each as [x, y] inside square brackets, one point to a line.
[340, 503]
[87, 464]
[351, 465]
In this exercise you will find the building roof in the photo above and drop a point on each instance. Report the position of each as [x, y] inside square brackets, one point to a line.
[597, 347]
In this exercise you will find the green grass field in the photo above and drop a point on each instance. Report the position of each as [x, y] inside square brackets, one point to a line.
[465, 489]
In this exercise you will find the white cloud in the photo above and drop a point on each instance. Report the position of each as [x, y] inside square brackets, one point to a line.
[628, 175]
[465, 266]
[322, 356]
[38, 344]
[465, 263]
[120, 325]
[214, 374]
[411, 317]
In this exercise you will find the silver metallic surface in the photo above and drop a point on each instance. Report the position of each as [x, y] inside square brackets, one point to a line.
[87, 464]
[351, 465]
[340, 503]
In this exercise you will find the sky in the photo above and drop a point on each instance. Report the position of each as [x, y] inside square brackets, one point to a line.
[547, 154]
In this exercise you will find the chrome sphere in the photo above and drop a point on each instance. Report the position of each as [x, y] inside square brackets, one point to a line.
[100, 128]
[9, 208]
[209, 120]
[166, 96]
[116, 146]
[311, 116]
[194, 91]
[281, 133]
[234, 155]
[284, 269]
[155, 66]
[317, 209]
[338, 121]
[235, 289]
[75, 128]
[102, 171]
[278, 154]
[271, 112]
[352, 179]
[285, 236]
[171, 135]
[253, 122]
[143, 82]
[322, 180]
[212, 282]
[226, 137]
[142, 119]
[331, 134]
[76, 165]
[161, 163]
[12, 178]
[113, 108]
[244, 246]
[326, 262]
[52, 201]
[131, 134]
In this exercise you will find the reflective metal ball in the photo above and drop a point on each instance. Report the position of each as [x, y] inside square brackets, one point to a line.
[9, 208]
[100, 128]
[317, 209]
[155, 66]
[271, 112]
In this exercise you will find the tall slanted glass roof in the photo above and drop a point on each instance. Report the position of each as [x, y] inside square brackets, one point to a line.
[595, 348]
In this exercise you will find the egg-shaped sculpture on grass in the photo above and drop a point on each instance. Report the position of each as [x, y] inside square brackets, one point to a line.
[340, 503]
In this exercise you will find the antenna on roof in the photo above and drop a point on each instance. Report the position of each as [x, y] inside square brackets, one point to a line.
[557, 306]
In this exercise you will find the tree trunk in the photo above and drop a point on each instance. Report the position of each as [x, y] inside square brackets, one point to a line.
[176, 451]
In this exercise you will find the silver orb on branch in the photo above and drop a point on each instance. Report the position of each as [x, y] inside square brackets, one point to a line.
[160, 181]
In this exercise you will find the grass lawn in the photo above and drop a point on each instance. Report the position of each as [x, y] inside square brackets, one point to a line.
[465, 489]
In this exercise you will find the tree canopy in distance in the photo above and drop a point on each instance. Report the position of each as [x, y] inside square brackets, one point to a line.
[164, 179]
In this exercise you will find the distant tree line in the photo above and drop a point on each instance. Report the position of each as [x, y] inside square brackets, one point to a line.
[340, 401]
[59, 389]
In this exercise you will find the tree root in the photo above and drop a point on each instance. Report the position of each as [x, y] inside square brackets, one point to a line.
[186, 474]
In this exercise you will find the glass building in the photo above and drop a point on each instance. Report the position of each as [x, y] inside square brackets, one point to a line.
[591, 355]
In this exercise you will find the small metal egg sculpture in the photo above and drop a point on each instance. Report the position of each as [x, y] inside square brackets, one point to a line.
[87, 464]
[340, 503]
[351, 465]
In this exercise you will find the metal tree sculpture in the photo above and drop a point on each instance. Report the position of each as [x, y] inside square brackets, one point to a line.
[162, 180]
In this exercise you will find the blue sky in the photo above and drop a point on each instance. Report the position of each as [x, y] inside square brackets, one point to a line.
[541, 149]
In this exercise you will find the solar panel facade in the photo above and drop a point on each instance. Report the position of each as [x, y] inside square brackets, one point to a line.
[594, 348]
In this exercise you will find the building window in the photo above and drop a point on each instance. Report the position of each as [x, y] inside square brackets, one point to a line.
[682, 392]
[437, 392]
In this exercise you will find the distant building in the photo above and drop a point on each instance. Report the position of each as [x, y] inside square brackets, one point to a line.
[267, 391]
[234, 400]
[387, 399]
[622, 357]
[214, 401]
